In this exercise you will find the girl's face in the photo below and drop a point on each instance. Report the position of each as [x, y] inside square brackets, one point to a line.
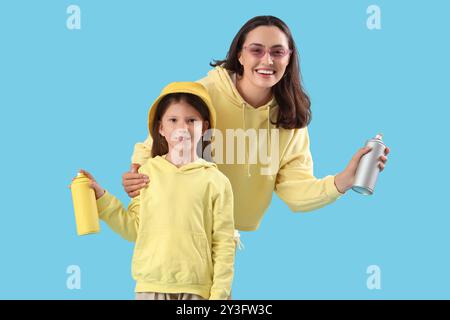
[182, 125]
[265, 55]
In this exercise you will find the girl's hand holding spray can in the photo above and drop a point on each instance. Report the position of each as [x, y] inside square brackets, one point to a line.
[85, 192]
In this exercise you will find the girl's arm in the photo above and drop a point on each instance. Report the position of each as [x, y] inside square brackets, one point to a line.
[133, 181]
[123, 221]
[110, 209]
[223, 245]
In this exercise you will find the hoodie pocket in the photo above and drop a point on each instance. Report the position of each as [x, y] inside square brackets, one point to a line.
[167, 256]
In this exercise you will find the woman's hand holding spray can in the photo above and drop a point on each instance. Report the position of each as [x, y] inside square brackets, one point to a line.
[362, 171]
[368, 169]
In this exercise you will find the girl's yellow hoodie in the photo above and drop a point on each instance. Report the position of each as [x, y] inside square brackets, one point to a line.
[292, 180]
[182, 224]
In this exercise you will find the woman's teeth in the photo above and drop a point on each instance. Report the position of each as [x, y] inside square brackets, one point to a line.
[265, 71]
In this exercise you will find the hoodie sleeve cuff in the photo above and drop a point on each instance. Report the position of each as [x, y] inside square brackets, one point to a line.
[103, 202]
[216, 295]
[331, 189]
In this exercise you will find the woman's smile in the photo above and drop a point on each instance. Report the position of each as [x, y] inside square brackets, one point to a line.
[265, 73]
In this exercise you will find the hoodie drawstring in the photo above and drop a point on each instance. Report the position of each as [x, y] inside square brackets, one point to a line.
[237, 239]
[269, 136]
[247, 146]
[269, 140]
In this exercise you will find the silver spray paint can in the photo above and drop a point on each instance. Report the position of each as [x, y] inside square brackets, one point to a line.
[368, 170]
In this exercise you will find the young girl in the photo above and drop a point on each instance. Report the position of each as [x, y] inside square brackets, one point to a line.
[182, 221]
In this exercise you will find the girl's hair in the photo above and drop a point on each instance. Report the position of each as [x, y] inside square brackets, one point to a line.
[160, 146]
[294, 104]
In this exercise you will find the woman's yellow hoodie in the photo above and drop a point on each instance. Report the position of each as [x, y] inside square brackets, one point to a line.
[182, 224]
[292, 179]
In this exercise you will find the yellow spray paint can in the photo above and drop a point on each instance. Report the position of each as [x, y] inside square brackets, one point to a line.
[85, 206]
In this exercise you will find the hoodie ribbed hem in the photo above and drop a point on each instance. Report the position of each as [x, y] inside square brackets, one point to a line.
[201, 290]
[247, 228]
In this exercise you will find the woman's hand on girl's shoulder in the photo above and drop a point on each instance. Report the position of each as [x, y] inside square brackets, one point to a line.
[132, 181]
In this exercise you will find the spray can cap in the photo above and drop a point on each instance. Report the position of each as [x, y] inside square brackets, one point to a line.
[379, 136]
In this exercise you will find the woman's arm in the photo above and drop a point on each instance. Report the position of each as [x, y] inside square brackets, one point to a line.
[296, 184]
[133, 181]
[142, 151]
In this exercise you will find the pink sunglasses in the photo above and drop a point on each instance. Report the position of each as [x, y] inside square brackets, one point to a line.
[260, 51]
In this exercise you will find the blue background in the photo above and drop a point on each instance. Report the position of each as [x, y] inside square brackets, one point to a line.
[73, 99]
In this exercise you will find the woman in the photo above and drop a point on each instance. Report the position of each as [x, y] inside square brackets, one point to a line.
[258, 87]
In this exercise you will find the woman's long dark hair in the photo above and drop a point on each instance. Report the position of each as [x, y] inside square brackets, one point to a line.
[294, 104]
[160, 146]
